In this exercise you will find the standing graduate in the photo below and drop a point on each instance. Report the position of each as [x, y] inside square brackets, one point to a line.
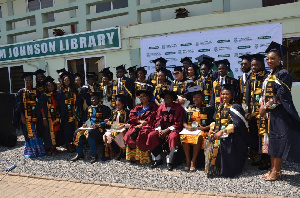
[168, 124]
[205, 81]
[159, 63]
[105, 88]
[80, 93]
[186, 63]
[59, 73]
[141, 83]
[224, 78]
[246, 69]
[40, 77]
[142, 119]
[123, 85]
[48, 108]
[226, 146]
[66, 98]
[209, 61]
[118, 120]
[132, 73]
[257, 125]
[192, 72]
[91, 87]
[94, 119]
[161, 86]
[180, 84]
[25, 117]
[277, 106]
[196, 117]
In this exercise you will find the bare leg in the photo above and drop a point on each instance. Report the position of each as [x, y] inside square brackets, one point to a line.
[275, 172]
[196, 151]
[186, 148]
[270, 171]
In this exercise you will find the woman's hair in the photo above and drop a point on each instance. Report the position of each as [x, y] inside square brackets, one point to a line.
[72, 83]
[53, 83]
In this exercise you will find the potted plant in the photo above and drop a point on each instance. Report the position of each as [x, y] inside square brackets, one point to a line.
[58, 32]
[181, 13]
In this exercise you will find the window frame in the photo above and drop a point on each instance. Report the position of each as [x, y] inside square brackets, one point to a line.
[84, 62]
[9, 76]
[27, 9]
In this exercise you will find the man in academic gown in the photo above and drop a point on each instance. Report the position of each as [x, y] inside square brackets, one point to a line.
[159, 63]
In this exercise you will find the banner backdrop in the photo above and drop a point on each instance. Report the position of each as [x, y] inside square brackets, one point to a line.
[229, 43]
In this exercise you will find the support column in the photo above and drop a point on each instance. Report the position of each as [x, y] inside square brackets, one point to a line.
[134, 15]
[155, 14]
[218, 6]
[83, 24]
[41, 32]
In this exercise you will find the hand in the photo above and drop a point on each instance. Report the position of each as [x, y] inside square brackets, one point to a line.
[211, 132]
[23, 119]
[219, 134]
[262, 111]
[138, 126]
[120, 127]
[45, 122]
[181, 100]
[202, 128]
[163, 133]
[127, 126]
[84, 126]
[106, 121]
[190, 128]
[95, 126]
[143, 122]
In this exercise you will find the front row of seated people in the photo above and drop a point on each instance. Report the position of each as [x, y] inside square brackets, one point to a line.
[148, 129]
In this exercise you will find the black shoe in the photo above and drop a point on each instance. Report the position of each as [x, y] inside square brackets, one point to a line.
[93, 159]
[156, 163]
[170, 166]
[77, 157]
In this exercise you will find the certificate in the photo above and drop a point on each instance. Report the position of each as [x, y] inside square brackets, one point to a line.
[115, 130]
[187, 132]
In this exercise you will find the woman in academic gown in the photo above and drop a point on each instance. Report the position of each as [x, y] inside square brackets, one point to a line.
[277, 106]
[226, 146]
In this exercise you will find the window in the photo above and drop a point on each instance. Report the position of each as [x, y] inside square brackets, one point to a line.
[113, 5]
[10, 79]
[86, 64]
[0, 12]
[37, 5]
[292, 59]
[276, 2]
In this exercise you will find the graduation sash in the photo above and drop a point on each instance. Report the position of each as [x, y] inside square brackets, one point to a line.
[29, 102]
[159, 89]
[206, 87]
[70, 98]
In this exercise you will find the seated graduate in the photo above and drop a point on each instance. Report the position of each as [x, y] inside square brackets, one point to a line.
[196, 117]
[48, 108]
[168, 124]
[161, 86]
[117, 121]
[142, 119]
[25, 117]
[94, 119]
[226, 145]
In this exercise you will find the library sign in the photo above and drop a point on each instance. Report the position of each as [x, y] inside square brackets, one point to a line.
[103, 39]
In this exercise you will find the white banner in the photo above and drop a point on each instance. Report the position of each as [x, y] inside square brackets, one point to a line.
[229, 43]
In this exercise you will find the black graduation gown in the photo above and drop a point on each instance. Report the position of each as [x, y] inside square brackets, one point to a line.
[284, 136]
[127, 90]
[232, 154]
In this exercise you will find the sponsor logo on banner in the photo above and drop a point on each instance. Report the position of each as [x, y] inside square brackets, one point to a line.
[185, 44]
[242, 39]
[203, 50]
[171, 59]
[153, 54]
[203, 43]
[185, 51]
[241, 54]
[244, 47]
[263, 53]
[264, 37]
[223, 41]
[239, 62]
[154, 47]
[168, 46]
[171, 66]
[221, 48]
[170, 53]
[266, 45]
[224, 55]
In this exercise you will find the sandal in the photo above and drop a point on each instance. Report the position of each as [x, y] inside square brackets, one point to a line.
[278, 175]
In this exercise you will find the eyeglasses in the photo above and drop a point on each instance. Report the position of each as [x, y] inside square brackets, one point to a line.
[176, 73]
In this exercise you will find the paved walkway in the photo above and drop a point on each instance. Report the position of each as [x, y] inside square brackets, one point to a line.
[21, 185]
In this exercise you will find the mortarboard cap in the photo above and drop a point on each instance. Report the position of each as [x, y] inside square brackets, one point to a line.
[195, 67]
[132, 69]
[147, 92]
[48, 79]
[28, 74]
[229, 87]
[39, 71]
[223, 62]
[186, 59]
[90, 75]
[246, 56]
[194, 90]
[105, 70]
[162, 70]
[121, 98]
[282, 50]
[259, 57]
[141, 69]
[95, 94]
[166, 92]
[66, 73]
[77, 75]
[61, 70]
[160, 59]
[121, 67]
[204, 56]
[178, 68]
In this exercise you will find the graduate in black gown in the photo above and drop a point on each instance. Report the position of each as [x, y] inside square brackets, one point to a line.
[278, 107]
[210, 60]
[226, 146]
[40, 77]
[160, 63]
[186, 63]
[91, 87]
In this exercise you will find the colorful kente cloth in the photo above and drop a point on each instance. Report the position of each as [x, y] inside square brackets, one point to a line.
[34, 146]
[124, 86]
[206, 83]
[106, 94]
[180, 87]
[159, 89]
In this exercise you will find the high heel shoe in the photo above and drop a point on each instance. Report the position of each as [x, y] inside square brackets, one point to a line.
[278, 175]
[266, 174]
